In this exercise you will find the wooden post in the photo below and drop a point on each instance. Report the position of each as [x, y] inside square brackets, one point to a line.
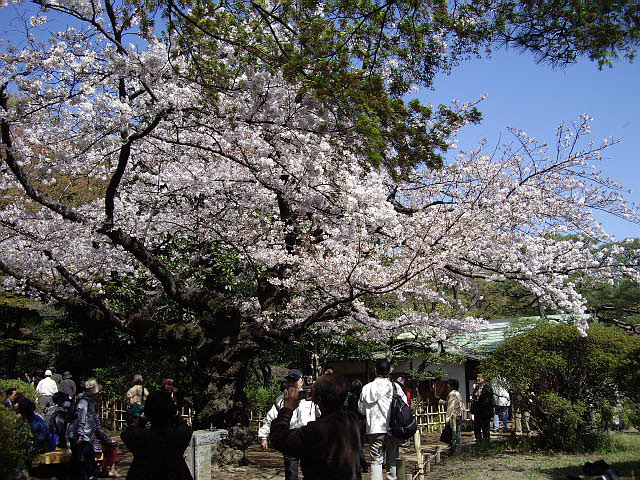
[418, 444]
[438, 450]
[427, 463]
[401, 468]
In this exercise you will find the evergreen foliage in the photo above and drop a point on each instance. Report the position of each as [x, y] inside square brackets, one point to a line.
[15, 442]
[570, 383]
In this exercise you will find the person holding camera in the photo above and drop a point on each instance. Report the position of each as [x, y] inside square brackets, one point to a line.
[158, 450]
[328, 447]
[305, 412]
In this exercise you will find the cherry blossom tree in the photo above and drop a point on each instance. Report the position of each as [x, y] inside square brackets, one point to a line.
[249, 210]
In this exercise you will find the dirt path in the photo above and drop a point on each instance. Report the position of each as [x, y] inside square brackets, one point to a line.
[264, 465]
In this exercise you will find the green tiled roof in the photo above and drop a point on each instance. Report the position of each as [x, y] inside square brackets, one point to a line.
[490, 336]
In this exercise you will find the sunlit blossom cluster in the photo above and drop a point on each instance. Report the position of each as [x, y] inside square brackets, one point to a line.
[258, 169]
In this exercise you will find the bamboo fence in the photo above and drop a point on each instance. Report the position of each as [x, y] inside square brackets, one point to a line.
[113, 414]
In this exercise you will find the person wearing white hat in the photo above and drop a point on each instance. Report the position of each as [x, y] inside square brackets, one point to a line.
[46, 388]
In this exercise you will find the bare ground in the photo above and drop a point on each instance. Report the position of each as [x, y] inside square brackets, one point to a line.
[267, 465]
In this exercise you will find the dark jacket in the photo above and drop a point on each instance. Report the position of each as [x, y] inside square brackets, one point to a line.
[483, 398]
[84, 424]
[67, 385]
[158, 451]
[327, 448]
[40, 433]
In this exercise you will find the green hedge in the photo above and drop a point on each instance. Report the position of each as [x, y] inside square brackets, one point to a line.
[570, 383]
[26, 389]
[15, 441]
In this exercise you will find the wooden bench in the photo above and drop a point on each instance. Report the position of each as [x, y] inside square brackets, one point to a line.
[55, 457]
[59, 456]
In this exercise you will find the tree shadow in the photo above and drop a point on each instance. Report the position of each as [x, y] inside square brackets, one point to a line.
[625, 470]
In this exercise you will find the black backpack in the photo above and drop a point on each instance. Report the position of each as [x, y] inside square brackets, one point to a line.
[402, 425]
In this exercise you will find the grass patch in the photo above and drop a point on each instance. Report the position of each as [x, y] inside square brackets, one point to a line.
[525, 458]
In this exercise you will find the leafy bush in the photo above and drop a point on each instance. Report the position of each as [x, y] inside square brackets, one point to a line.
[569, 383]
[26, 389]
[559, 421]
[15, 441]
[261, 398]
[630, 414]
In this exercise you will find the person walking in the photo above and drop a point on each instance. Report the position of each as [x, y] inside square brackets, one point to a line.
[167, 388]
[375, 404]
[502, 402]
[56, 377]
[355, 389]
[46, 388]
[482, 406]
[305, 412]
[135, 398]
[82, 431]
[67, 385]
[38, 426]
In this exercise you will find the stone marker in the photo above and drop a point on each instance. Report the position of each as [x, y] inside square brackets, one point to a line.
[198, 453]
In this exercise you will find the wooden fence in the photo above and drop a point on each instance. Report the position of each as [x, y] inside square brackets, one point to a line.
[114, 414]
[429, 418]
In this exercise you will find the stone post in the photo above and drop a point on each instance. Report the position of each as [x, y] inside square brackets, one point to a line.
[198, 453]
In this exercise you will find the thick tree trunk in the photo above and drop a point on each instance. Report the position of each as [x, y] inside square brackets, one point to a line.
[219, 398]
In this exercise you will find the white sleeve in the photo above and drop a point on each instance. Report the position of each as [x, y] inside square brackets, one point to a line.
[271, 415]
[400, 391]
[361, 407]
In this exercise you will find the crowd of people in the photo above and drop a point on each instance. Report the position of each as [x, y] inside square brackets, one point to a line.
[319, 427]
[64, 418]
[314, 431]
[318, 435]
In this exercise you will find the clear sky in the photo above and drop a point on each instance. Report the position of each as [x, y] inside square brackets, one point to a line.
[536, 98]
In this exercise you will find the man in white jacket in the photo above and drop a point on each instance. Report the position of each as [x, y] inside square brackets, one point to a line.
[306, 412]
[46, 388]
[375, 404]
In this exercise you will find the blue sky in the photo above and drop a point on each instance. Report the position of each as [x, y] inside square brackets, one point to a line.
[536, 98]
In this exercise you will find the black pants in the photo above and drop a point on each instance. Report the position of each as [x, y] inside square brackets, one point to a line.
[290, 467]
[83, 460]
[481, 427]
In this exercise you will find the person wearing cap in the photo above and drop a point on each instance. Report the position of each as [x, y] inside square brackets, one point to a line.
[82, 431]
[56, 377]
[375, 405]
[46, 388]
[305, 412]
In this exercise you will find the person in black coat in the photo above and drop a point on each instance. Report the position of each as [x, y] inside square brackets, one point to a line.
[482, 407]
[328, 447]
[158, 449]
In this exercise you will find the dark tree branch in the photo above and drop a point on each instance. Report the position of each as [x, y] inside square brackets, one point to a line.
[31, 190]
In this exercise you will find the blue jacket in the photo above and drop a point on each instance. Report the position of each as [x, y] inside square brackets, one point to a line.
[40, 433]
[84, 424]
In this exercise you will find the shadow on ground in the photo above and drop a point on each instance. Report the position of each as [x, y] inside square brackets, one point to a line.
[625, 469]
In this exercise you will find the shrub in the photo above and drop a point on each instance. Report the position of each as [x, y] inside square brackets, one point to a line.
[26, 389]
[15, 441]
[261, 398]
[569, 383]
